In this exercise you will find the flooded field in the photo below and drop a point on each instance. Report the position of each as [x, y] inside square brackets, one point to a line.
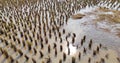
[102, 29]
[59, 31]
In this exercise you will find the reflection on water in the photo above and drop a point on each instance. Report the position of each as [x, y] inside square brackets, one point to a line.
[92, 25]
[72, 50]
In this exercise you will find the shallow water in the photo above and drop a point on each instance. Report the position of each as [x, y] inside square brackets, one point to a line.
[87, 26]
